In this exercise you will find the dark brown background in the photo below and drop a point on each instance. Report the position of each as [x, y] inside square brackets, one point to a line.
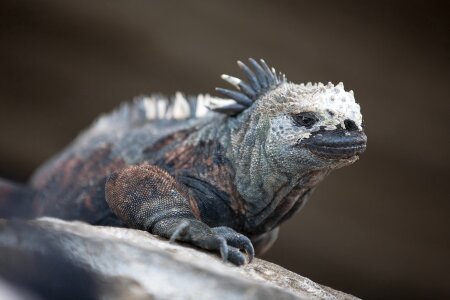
[378, 229]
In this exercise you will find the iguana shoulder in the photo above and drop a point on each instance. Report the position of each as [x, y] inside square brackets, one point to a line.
[71, 185]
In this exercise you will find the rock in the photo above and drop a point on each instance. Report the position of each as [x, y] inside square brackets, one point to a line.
[121, 263]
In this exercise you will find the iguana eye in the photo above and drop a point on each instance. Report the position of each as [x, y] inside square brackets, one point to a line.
[305, 119]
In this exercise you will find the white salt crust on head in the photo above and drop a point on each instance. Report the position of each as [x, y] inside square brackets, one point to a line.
[331, 103]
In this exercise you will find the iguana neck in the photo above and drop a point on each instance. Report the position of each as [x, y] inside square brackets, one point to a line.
[259, 179]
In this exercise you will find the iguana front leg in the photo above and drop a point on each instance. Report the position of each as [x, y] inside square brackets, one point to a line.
[148, 198]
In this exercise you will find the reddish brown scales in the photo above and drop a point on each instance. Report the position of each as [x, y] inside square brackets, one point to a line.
[168, 140]
[73, 188]
[207, 162]
[139, 193]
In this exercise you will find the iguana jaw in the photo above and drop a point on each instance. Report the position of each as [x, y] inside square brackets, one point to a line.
[336, 144]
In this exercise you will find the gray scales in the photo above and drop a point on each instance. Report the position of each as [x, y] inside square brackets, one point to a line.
[221, 174]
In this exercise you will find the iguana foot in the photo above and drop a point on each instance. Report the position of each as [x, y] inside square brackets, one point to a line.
[237, 242]
[223, 239]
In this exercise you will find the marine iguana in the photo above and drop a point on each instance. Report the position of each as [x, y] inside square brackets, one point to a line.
[222, 178]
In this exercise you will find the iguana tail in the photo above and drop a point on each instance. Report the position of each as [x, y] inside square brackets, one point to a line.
[15, 200]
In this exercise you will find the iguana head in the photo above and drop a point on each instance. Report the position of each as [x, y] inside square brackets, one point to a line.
[312, 126]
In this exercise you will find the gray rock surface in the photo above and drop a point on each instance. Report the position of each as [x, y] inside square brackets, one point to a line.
[133, 264]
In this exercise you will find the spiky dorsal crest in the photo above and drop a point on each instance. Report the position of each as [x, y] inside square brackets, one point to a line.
[261, 79]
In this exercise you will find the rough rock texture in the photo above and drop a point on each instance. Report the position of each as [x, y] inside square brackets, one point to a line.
[121, 263]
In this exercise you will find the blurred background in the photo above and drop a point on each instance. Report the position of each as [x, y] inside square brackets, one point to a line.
[379, 229]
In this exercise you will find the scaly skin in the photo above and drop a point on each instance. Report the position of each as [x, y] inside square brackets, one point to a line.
[221, 181]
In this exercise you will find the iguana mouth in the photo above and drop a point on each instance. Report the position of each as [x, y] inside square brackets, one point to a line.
[337, 144]
[337, 152]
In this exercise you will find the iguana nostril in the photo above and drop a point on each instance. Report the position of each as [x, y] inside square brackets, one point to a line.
[350, 125]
